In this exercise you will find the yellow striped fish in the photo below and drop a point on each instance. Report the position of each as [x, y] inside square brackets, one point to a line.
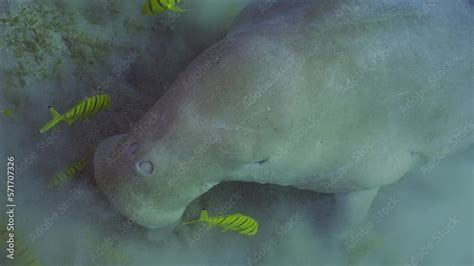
[23, 253]
[71, 171]
[240, 223]
[86, 108]
[151, 7]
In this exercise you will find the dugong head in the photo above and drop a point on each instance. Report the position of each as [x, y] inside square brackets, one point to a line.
[141, 173]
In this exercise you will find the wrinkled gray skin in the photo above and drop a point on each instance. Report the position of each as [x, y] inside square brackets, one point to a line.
[331, 96]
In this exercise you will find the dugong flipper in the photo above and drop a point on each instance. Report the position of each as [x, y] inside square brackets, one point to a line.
[332, 96]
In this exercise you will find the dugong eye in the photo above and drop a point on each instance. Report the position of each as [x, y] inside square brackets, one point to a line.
[145, 168]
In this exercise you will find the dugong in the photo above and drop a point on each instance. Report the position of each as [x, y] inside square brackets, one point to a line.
[332, 96]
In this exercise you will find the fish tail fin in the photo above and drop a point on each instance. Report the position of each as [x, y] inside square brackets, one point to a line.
[177, 9]
[191, 222]
[146, 10]
[57, 117]
[203, 217]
